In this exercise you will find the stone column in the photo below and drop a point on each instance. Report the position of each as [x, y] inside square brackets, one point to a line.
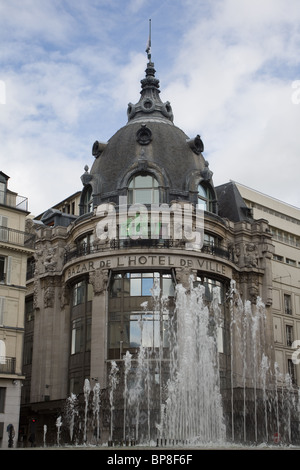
[99, 280]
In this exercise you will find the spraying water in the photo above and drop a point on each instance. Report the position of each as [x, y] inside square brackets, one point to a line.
[169, 391]
[177, 400]
[87, 391]
[58, 426]
[44, 435]
[193, 409]
[113, 381]
[71, 413]
[96, 410]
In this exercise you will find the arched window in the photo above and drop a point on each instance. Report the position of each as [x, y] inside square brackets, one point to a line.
[143, 189]
[205, 198]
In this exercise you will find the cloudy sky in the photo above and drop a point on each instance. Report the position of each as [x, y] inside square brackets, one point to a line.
[230, 68]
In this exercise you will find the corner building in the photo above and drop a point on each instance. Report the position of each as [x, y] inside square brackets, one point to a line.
[15, 247]
[93, 277]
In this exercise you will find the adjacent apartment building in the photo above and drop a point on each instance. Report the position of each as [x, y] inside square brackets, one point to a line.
[284, 221]
[14, 251]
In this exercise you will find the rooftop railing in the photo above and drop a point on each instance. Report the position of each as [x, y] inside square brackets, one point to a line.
[11, 199]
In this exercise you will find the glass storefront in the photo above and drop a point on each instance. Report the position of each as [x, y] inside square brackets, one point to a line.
[135, 319]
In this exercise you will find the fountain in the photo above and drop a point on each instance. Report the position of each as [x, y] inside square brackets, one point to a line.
[180, 398]
[174, 398]
[86, 391]
[71, 413]
[113, 382]
[127, 366]
[177, 392]
[58, 426]
[193, 410]
[96, 410]
[44, 435]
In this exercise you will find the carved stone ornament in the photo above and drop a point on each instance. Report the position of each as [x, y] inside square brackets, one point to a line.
[99, 280]
[86, 178]
[50, 262]
[196, 144]
[144, 135]
[251, 255]
[36, 294]
[49, 297]
[206, 173]
[235, 253]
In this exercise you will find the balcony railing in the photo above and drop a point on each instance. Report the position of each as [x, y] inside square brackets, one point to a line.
[86, 248]
[16, 237]
[13, 200]
[7, 365]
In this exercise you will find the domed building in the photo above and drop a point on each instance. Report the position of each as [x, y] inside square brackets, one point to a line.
[150, 160]
[112, 290]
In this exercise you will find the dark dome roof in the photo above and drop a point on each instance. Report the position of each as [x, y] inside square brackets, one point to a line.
[148, 143]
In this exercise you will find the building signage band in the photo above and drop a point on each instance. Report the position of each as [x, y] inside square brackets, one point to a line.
[148, 261]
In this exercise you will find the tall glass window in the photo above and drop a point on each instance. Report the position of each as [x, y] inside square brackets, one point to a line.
[77, 336]
[87, 205]
[140, 284]
[134, 320]
[212, 286]
[143, 189]
[82, 296]
[79, 293]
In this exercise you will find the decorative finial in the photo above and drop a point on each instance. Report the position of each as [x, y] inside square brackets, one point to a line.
[148, 47]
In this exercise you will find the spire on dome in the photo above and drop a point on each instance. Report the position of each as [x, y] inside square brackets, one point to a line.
[150, 82]
[148, 47]
[150, 102]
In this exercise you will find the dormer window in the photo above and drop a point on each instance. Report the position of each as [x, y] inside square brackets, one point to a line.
[205, 198]
[3, 187]
[143, 189]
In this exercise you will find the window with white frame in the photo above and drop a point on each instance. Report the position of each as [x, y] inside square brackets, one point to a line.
[205, 198]
[5, 269]
[143, 189]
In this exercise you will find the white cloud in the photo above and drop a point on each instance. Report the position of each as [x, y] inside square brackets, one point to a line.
[227, 67]
[232, 86]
